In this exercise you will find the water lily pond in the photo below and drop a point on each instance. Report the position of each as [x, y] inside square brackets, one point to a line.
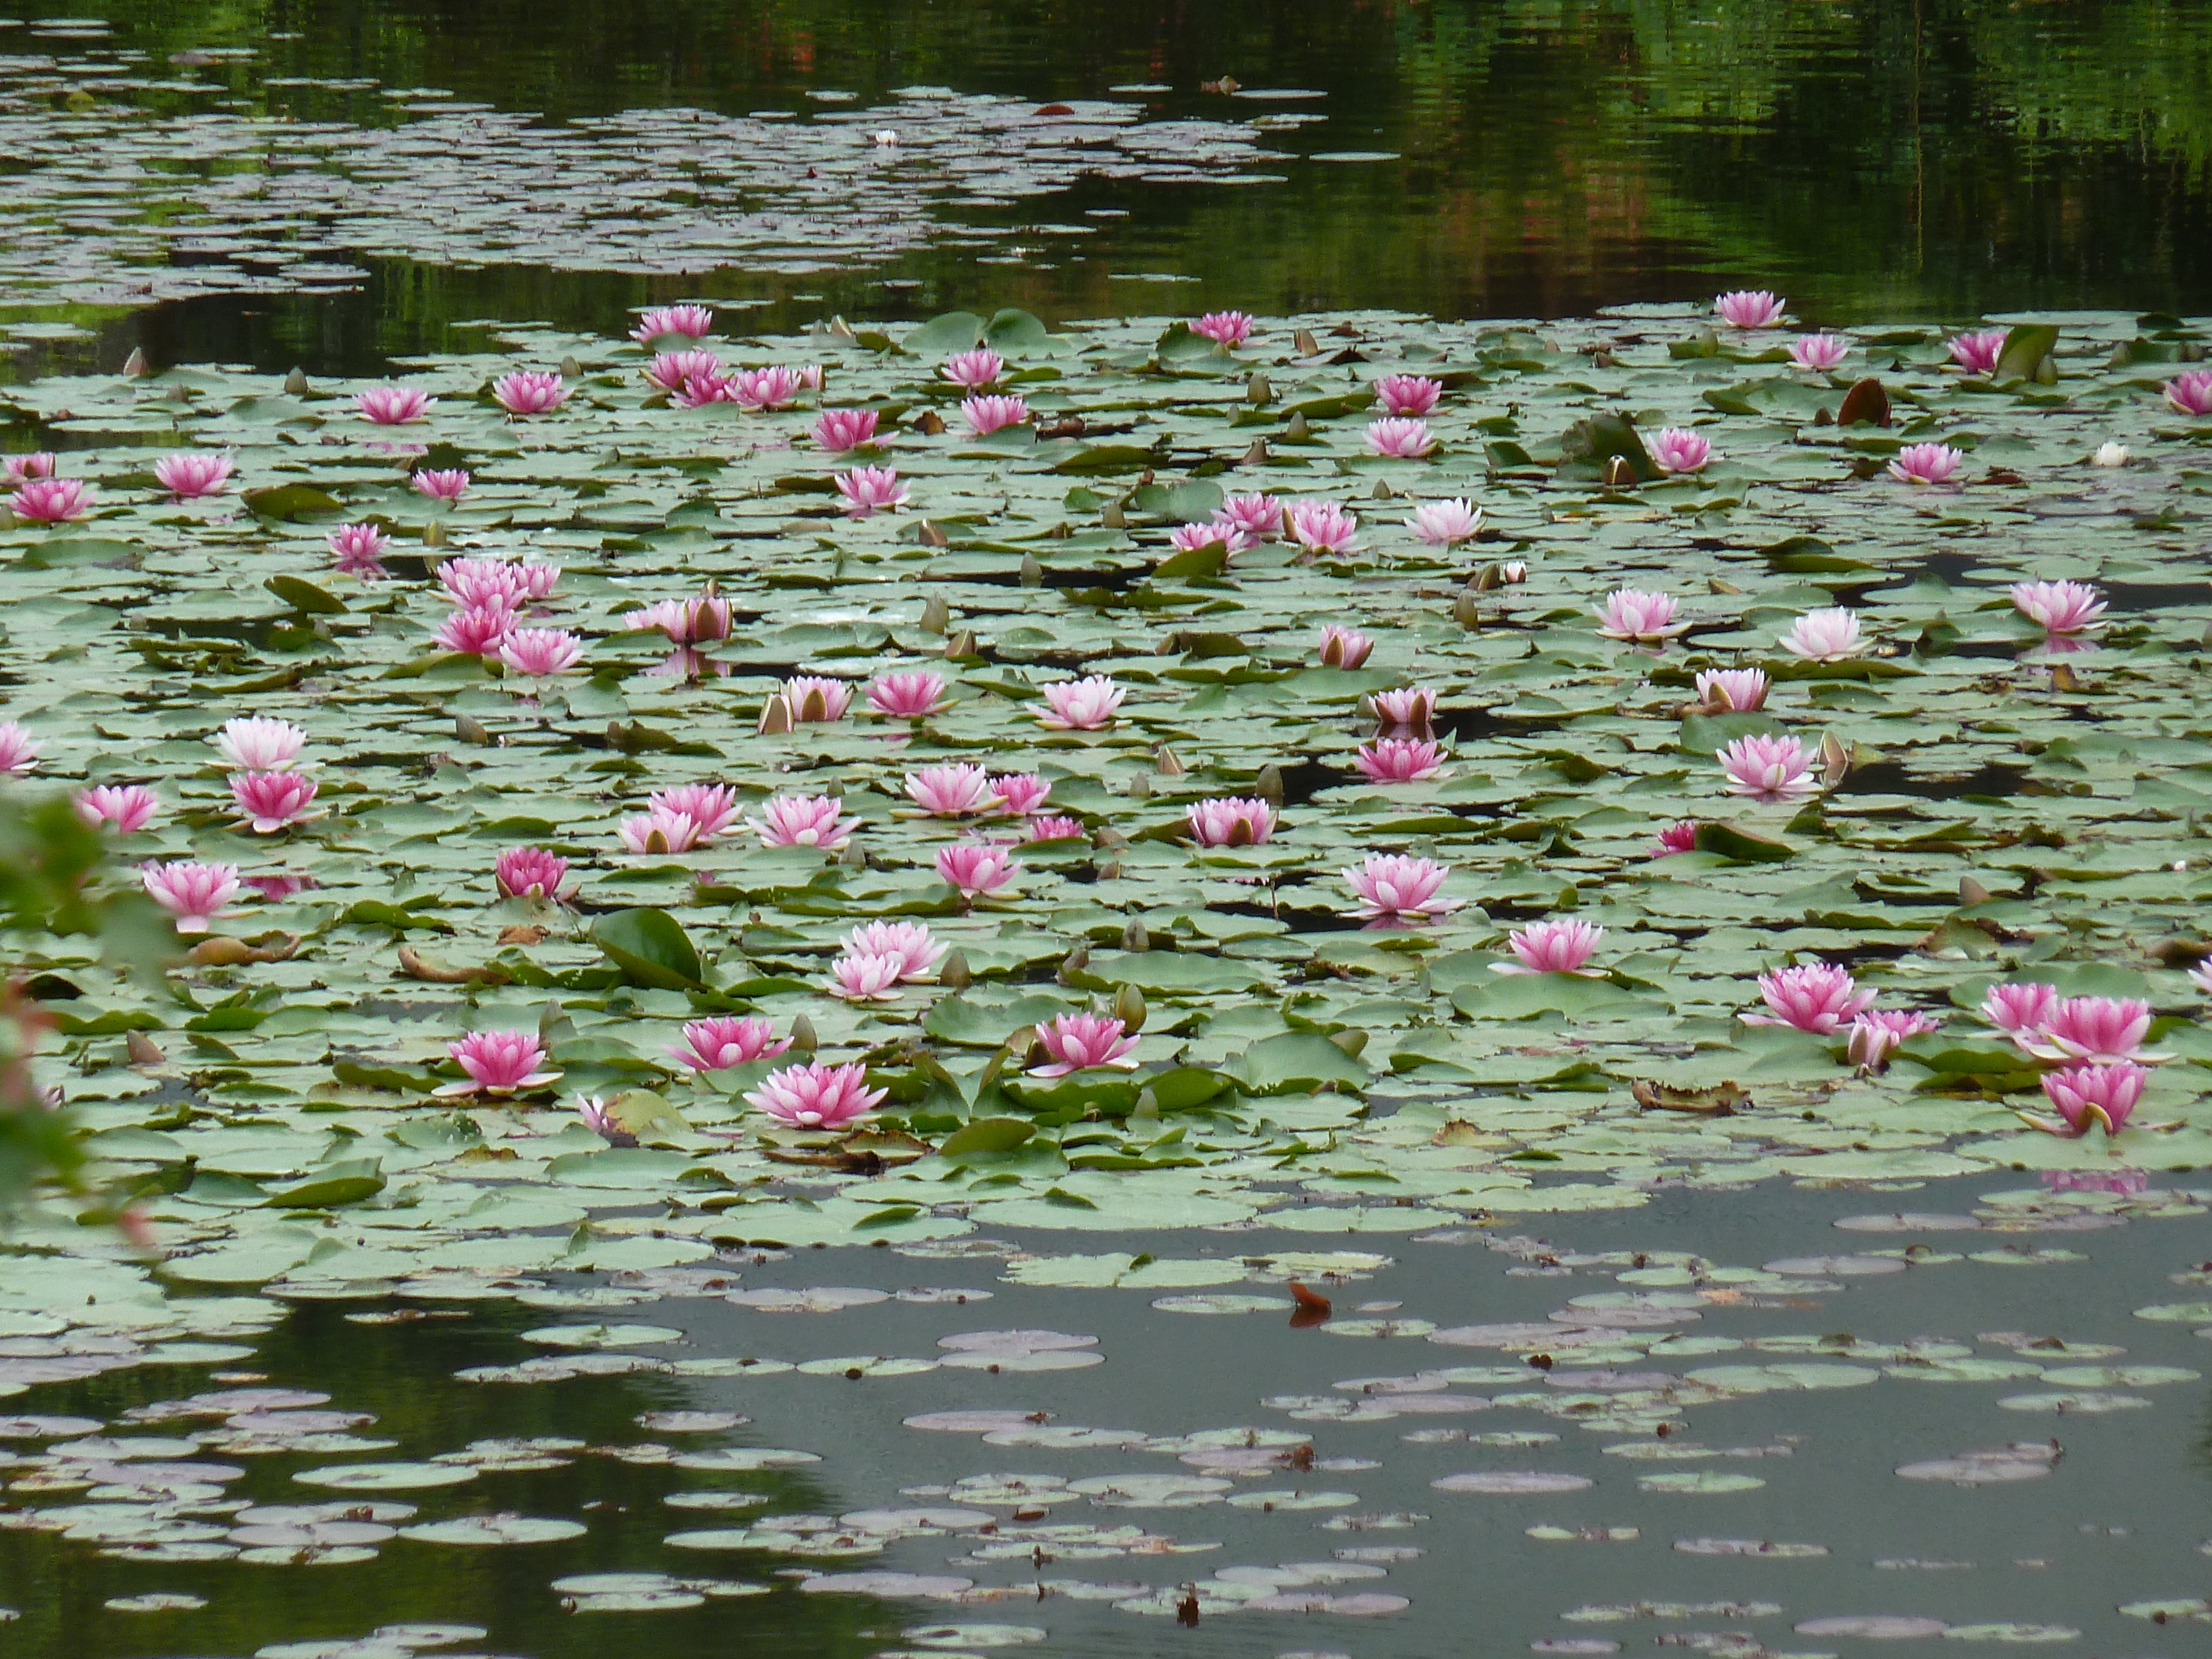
[1283, 882]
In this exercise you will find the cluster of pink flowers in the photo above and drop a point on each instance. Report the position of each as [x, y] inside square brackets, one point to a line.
[679, 819]
[880, 956]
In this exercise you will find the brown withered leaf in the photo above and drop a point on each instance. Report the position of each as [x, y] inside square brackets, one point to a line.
[1459, 1133]
[1722, 1100]
[218, 951]
[415, 965]
[523, 933]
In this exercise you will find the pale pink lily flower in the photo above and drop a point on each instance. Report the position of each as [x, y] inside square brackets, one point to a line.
[358, 549]
[952, 790]
[685, 622]
[1677, 449]
[1323, 528]
[1408, 394]
[1830, 635]
[775, 386]
[1977, 352]
[1731, 690]
[1400, 438]
[672, 371]
[1190, 537]
[194, 473]
[1408, 707]
[2059, 607]
[803, 821]
[13, 468]
[1445, 523]
[2190, 392]
[975, 869]
[1084, 705]
[870, 490]
[1552, 947]
[1231, 821]
[1057, 829]
[712, 806]
[1680, 838]
[1393, 888]
[1399, 760]
[541, 652]
[725, 1041]
[971, 369]
[1078, 1042]
[1640, 618]
[130, 807]
[910, 944]
[19, 750]
[258, 743]
[1816, 996]
[838, 430]
[51, 500]
[2094, 1030]
[1767, 769]
[1818, 351]
[269, 801]
[1749, 309]
[529, 873]
[2200, 975]
[2018, 1009]
[816, 1096]
[1926, 463]
[498, 1063]
[1874, 1036]
[537, 580]
[1229, 328]
[598, 1116]
[279, 885]
[447, 484]
[986, 414]
[1259, 518]
[659, 830]
[908, 696]
[865, 979]
[530, 392]
[194, 893]
[483, 582]
[1020, 793]
[477, 630]
[691, 322]
[1344, 647]
[2103, 1095]
[704, 387]
[816, 699]
[392, 405]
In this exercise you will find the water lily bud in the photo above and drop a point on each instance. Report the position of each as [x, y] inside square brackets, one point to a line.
[135, 366]
[143, 1050]
[1487, 579]
[1168, 763]
[1383, 492]
[1259, 388]
[1870, 1045]
[1297, 431]
[936, 615]
[1140, 788]
[1619, 475]
[962, 644]
[1972, 893]
[803, 1039]
[1269, 784]
[571, 369]
[932, 535]
[775, 716]
[1835, 761]
[1306, 344]
[1514, 570]
[1129, 1005]
[1147, 1106]
[853, 857]
[296, 382]
[1032, 572]
[434, 533]
[1134, 938]
[1113, 517]
[1074, 963]
[2110, 454]
[1352, 1040]
[953, 973]
[929, 424]
[470, 730]
[1467, 611]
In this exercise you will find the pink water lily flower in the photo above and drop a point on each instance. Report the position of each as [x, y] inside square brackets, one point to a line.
[659, 830]
[1410, 708]
[473, 581]
[1260, 518]
[976, 868]
[813, 699]
[870, 490]
[804, 821]
[1445, 523]
[392, 405]
[971, 369]
[530, 392]
[498, 1063]
[1084, 705]
[986, 415]
[1977, 352]
[1831, 634]
[908, 696]
[1079, 1041]
[1020, 793]
[269, 801]
[2103, 1095]
[685, 622]
[1816, 996]
[1231, 821]
[1680, 838]
[725, 1041]
[1400, 437]
[1399, 760]
[1190, 537]
[1552, 947]
[1229, 328]
[691, 322]
[1323, 528]
[1678, 449]
[775, 386]
[1344, 647]
[1749, 309]
[838, 430]
[2190, 391]
[1927, 464]
[952, 790]
[258, 743]
[712, 806]
[477, 630]
[541, 652]
[1393, 888]
[13, 468]
[1638, 617]
[447, 484]
[1767, 769]
[1726, 690]
[1874, 1036]
[2060, 607]
[672, 371]
[1818, 351]
[194, 473]
[19, 750]
[1408, 394]
[194, 894]
[865, 978]
[529, 873]
[2093, 1030]
[910, 944]
[2200, 975]
[130, 807]
[705, 386]
[2018, 1009]
[1057, 829]
[51, 500]
[358, 549]
[816, 1096]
